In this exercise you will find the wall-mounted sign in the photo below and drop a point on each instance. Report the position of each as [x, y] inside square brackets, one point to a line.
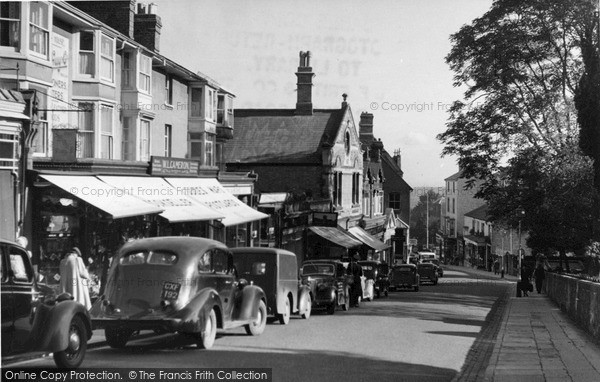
[325, 219]
[173, 166]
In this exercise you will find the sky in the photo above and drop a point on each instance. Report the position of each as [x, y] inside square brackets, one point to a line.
[387, 55]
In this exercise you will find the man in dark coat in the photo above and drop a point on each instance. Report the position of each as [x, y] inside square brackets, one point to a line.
[355, 270]
[539, 274]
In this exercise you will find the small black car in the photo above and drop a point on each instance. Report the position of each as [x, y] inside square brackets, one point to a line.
[34, 319]
[328, 283]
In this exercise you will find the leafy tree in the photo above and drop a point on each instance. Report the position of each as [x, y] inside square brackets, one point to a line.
[418, 218]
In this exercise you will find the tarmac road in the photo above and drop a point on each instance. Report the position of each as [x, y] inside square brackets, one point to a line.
[416, 336]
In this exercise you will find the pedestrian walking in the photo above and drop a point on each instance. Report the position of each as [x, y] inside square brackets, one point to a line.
[74, 277]
[539, 274]
[356, 288]
[496, 266]
[524, 285]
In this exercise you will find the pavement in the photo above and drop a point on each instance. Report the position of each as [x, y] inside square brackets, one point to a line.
[535, 341]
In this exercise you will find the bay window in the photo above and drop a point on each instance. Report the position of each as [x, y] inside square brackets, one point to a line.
[85, 134]
[38, 28]
[196, 143]
[211, 104]
[208, 157]
[9, 151]
[87, 57]
[196, 104]
[145, 74]
[107, 58]
[127, 77]
[106, 131]
[144, 140]
[10, 24]
[128, 141]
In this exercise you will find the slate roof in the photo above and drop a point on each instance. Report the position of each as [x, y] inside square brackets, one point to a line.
[479, 213]
[281, 136]
[385, 156]
[456, 176]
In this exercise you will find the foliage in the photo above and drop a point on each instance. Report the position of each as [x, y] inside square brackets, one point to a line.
[418, 218]
[520, 63]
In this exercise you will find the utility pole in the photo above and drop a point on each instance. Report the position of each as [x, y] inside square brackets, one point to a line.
[427, 220]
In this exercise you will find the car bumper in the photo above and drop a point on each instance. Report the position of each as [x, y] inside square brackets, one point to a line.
[166, 324]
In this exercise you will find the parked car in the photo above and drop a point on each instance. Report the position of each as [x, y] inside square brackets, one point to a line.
[276, 272]
[379, 273]
[328, 283]
[440, 271]
[177, 284]
[425, 255]
[34, 319]
[428, 271]
[404, 276]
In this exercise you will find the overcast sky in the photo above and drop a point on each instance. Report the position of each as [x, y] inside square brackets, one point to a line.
[388, 56]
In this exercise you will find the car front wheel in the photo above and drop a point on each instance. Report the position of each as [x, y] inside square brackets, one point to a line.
[117, 337]
[307, 312]
[73, 355]
[206, 338]
[258, 326]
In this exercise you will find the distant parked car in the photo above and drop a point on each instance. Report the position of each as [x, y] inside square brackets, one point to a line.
[440, 270]
[276, 272]
[379, 273]
[428, 271]
[328, 283]
[177, 284]
[404, 276]
[34, 319]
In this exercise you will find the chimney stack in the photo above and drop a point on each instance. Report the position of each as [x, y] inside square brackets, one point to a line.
[366, 127]
[147, 26]
[305, 75]
[398, 158]
[116, 14]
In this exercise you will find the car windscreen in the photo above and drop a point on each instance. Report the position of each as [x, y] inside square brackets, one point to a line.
[318, 269]
[148, 257]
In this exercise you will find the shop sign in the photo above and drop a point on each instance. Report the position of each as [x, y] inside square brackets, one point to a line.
[173, 166]
[325, 219]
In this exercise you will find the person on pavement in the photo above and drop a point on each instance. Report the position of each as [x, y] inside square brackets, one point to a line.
[356, 271]
[525, 283]
[539, 274]
[74, 277]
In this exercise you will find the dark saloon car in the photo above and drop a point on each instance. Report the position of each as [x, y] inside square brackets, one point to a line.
[404, 276]
[436, 262]
[328, 283]
[34, 319]
[177, 284]
[276, 272]
[379, 273]
[428, 271]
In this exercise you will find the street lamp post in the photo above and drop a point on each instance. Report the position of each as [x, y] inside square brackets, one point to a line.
[427, 220]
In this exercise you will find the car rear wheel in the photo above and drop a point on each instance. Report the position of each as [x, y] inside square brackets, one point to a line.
[206, 338]
[416, 289]
[284, 318]
[307, 312]
[73, 355]
[258, 326]
[117, 337]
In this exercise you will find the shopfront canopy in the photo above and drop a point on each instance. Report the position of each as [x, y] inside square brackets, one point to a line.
[336, 236]
[211, 194]
[103, 196]
[368, 239]
[176, 206]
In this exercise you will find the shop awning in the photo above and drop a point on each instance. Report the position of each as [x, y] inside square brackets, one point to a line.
[272, 199]
[107, 198]
[210, 193]
[336, 236]
[475, 240]
[176, 206]
[368, 239]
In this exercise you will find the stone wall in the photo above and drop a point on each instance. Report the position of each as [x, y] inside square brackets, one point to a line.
[580, 299]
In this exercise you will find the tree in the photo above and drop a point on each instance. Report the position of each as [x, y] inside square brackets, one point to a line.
[418, 218]
[520, 63]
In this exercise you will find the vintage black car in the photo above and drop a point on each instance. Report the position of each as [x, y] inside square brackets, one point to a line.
[276, 272]
[428, 271]
[328, 283]
[379, 273]
[177, 284]
[36, 320]
[436, 262]
[404, 276]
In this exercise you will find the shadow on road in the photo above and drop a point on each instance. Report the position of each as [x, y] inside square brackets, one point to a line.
[285, 363]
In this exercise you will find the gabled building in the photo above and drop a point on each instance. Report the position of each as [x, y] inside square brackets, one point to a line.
[312, 155]
[396, 193]
[478, 239]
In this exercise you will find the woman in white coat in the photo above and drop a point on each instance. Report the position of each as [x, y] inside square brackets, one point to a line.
[74, 277]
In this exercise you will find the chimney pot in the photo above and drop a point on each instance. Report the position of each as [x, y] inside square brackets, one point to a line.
[305, 75]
